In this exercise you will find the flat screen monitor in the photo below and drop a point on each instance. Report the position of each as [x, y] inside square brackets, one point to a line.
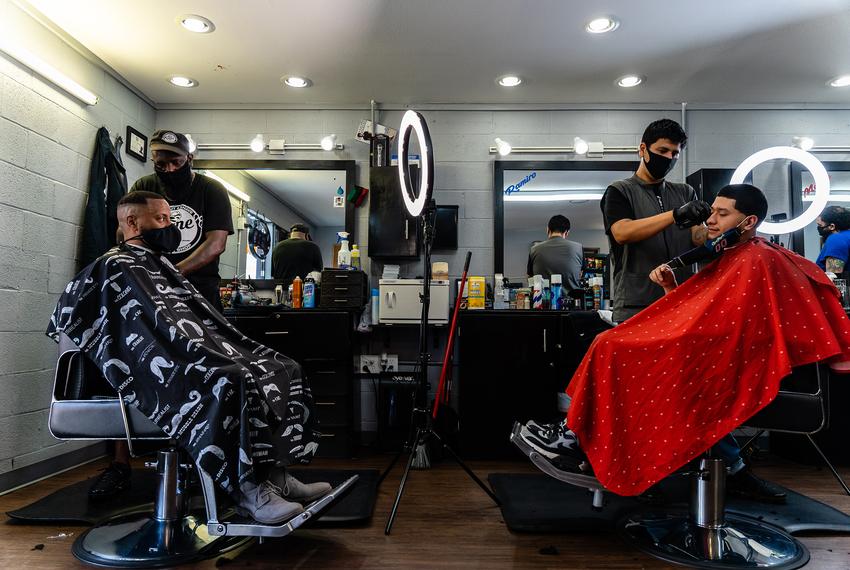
[445, 227]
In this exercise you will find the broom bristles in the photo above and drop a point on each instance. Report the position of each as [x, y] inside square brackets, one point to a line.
[420, 456]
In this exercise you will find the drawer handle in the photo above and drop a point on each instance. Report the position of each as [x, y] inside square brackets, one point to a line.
[341, 288]
[324, 372]
[327, 435]
[277, 332]
[340, 300]
[326, 403]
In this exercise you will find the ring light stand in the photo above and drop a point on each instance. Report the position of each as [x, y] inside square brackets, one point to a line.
[421, 205]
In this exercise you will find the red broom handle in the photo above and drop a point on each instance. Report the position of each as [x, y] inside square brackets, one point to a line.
[450, 343]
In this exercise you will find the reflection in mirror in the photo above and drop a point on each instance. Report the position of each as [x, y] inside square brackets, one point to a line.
[280, 198]
[839, 196]
[532, 196]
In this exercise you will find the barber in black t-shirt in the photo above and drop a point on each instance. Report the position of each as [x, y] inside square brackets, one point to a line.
[295, 256]
[650, 220]
[200, 208]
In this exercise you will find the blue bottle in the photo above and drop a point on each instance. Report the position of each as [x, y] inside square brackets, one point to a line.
[309, 293]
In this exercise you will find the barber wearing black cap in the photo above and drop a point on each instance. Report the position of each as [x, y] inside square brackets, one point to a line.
[296, 255]
[200, 208]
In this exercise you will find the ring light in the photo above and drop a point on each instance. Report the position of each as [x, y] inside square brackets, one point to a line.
[812, 164]
[416, 122]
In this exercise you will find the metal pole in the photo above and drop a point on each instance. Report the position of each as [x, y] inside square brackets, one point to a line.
[684, 150]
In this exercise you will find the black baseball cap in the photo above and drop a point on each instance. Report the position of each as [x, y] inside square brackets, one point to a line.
[170, 141]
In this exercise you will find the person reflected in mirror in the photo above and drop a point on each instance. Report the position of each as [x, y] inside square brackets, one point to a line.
[557, 255]
[833, 226]
[200, 208]
[296, 256]
[649, 219]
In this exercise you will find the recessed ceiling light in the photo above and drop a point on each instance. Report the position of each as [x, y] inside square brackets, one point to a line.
[840, 81]
[182, 81]
[602, 25]
[510, 81]
[195, 23]
[630, 81]
[295, 81]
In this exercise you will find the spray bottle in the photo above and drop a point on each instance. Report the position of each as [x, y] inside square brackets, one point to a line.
[343, 257]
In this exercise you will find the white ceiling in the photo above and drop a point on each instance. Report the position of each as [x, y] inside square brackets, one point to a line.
[451, 51]
[311, 192]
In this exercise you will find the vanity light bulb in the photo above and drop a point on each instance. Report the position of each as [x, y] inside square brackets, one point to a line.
[258, 144]
[804, 143]
[580, 145]
[192, 146]
[329, 142]
[503, 147]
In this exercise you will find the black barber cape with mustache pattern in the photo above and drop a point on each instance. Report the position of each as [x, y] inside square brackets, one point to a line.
[232, 403]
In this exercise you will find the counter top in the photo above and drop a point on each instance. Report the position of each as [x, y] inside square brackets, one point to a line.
[268, 310]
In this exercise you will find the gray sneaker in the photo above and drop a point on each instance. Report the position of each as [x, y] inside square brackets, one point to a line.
[294, 490]
[264, 503]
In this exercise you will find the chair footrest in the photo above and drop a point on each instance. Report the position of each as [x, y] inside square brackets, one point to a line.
[588, 481]
[247, 527]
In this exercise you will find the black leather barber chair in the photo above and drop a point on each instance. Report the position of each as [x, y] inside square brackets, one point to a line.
[706, 536]
[170, 534]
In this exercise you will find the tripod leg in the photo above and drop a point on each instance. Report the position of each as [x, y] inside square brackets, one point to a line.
[402, 484]
[466, 468]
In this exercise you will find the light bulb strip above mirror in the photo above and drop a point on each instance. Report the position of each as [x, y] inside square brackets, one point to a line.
[590, 149]
[273, 146]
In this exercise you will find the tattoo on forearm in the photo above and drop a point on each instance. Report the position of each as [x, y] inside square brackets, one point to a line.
[834, 265]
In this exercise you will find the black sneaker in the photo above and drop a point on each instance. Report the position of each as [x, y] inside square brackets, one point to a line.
[553, 441]
[111, 481]
[746, 485]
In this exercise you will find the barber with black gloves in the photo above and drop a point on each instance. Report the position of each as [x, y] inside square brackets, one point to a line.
[200, 208]
[650, 220]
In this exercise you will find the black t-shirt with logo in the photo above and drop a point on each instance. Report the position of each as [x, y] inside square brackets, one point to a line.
[205, 207]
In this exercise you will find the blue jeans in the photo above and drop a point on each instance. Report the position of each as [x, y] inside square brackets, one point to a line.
[727, 448]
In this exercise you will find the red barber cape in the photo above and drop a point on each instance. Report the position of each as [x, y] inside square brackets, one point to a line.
[661, 388]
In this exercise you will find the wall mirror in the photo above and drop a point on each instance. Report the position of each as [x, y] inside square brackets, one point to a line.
[803, 188]
[282, 192]
[527, 193]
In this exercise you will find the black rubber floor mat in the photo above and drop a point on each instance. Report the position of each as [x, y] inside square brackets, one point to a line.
[71, 504]
[539, 504]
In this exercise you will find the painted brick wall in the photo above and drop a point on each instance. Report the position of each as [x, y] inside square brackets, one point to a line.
[46, 145]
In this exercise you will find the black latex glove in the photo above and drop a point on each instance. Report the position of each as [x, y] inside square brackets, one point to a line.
[693, 213]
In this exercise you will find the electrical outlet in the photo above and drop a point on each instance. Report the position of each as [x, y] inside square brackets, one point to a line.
[389, 362]
[370, 363]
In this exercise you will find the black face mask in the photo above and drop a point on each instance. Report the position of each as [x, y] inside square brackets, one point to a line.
[163, 240]
[658, 165]
[178, 181]
[823, 231]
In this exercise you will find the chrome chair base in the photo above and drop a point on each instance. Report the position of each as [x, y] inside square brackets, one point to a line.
[141, 541]
[741, 542]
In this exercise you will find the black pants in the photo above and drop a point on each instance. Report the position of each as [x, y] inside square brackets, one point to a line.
[208, 287]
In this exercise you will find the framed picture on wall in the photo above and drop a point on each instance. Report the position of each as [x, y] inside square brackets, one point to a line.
[137, 144]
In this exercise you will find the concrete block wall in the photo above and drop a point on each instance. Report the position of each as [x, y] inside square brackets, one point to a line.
[46, 145]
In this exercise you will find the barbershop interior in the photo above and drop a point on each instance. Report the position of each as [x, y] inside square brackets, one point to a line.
[402, 284]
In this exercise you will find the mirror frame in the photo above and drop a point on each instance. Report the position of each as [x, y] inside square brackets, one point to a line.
[349, 166]
[795, 182]
[499, 168]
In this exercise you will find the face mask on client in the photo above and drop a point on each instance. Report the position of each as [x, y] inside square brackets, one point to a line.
[658, 165]
[164, 240]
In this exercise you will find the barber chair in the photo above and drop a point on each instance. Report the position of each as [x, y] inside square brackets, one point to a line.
[705, 536]
[171, 534]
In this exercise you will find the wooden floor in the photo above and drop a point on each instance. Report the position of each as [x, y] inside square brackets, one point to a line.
[445, 521]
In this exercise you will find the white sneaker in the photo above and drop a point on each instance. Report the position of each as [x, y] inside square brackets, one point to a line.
[294, 490]
[264, 503]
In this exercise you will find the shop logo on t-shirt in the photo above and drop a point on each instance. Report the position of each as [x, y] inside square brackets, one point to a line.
[190, 224]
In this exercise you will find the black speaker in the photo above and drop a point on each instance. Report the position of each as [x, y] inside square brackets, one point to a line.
[708, 181]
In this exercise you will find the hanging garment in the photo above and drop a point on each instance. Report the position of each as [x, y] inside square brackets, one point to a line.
[232, 403]
[667, 384]
[107, 184]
